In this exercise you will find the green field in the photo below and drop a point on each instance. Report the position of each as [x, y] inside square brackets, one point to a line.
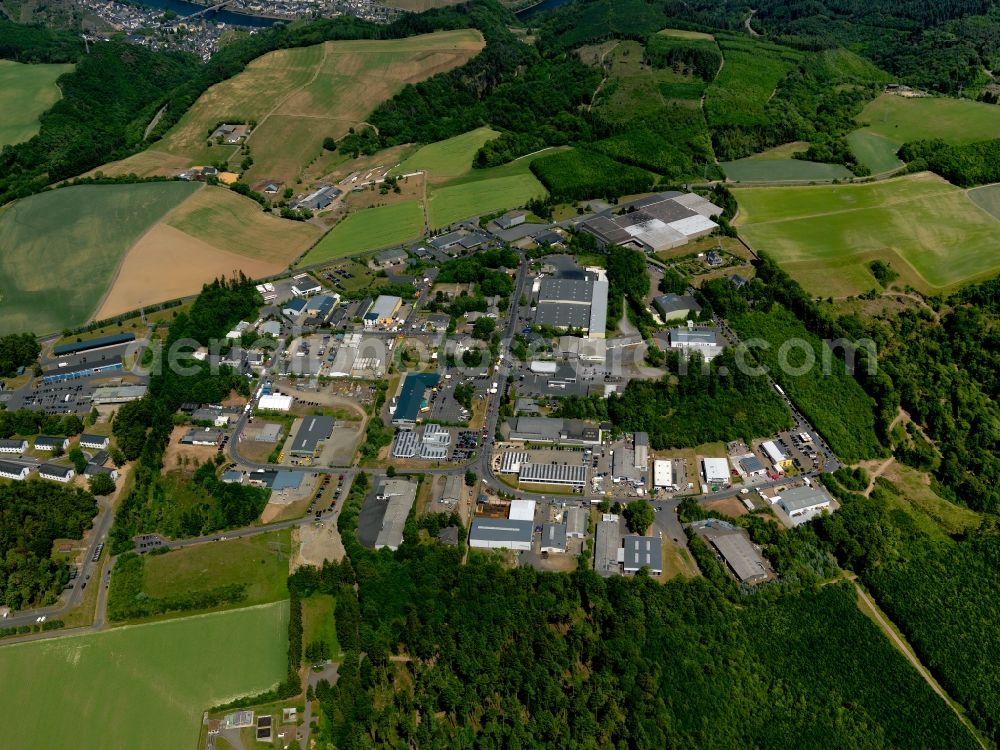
[744, 86]
[139, 687]
[26, 91]
[987, 198]
[318, 623]
[931, 233]
[754, 169]
[449, 158]
[876, 152]
[369, 229]
[60, 250]
[954, 120]
[260, 561]
[456, 201]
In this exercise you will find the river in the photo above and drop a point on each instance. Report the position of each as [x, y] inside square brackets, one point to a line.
[183, 8]
[539, 7]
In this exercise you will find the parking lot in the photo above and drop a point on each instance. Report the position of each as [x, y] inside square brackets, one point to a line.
[60, 398]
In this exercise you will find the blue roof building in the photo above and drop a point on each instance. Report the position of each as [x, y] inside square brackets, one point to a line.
[412, 396]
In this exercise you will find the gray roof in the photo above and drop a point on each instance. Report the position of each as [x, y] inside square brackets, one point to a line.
[501, 530]
[93, 439]
[606, 546]
[393, 254]
[401, 494]
[576, 520]
[553, 473]
[55, 470]
[599, 307]
[751, 464]
[554, 535]
[48, 441]
[800, 498]
[563, 315]
[696, 337]
[641, 551]
[740, 555]
[383, 307]
[670, 303]
[9, 467]
[19, 443]
[286, 480]
[312, 431]
[565, 290]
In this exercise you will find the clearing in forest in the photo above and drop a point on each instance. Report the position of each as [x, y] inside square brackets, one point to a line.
[26, 91]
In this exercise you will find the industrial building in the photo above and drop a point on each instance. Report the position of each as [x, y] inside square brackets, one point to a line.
[553, 538]
[432, 443]
[491, 533]
[675, 307]
[453, 489]
[716, 470]
[640, 552]
[701, 340]
[274, 402]
[576, 522]
[206, 436]
[569, 475]
[624, 468]
[554, 430]
[778, 458]
[663, 473]
[312, 432]
[399, 495]
[570, 302]
[118, 394]
[305, 285]
[656, 223]
[521, 510]
[91, 344]
[752, 466]
[606, 545]
[641, 443]
[412, 398]
[382, 312]
[804, 503]
[83, 370]
[741, 557]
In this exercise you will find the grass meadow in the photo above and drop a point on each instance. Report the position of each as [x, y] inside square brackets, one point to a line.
[60, 250]
[931, 233]
[318, 623]
[875, 151]
[988, 199]
[260, 561]
[755, 169]
[299, 96]
[449, 158]
[901, 119]
[369, 229]
[26, 91]
[459, 200]
[141, 687]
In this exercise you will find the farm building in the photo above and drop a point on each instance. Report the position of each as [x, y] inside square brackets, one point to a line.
[312, 432]
[10, 470]
[399, 495]
[675, 307]
[656, 223]
[716, 470]
[383, 311]
[491, 533]
[412, 397]
[97, 442]
[13, 446]
[553, 537]
[47, 443]
[56, 473]
[640, 552]
[804, 503]
[741, 556]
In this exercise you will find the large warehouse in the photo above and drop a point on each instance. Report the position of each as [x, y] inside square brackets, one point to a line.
[656, 223]
[570, 302]
[492, 533]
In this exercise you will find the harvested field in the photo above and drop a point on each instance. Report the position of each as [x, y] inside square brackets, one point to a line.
[299, 96]
[167, 263]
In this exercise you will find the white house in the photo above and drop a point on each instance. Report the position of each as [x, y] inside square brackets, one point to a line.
[716, 470]
[97, 442]
[56, 473]
[13, 446]
[14, 471]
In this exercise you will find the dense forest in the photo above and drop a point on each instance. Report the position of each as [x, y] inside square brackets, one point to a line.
[443, 655]
[33, 515]
[142, 429]
[965, 165]
[17, 350]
